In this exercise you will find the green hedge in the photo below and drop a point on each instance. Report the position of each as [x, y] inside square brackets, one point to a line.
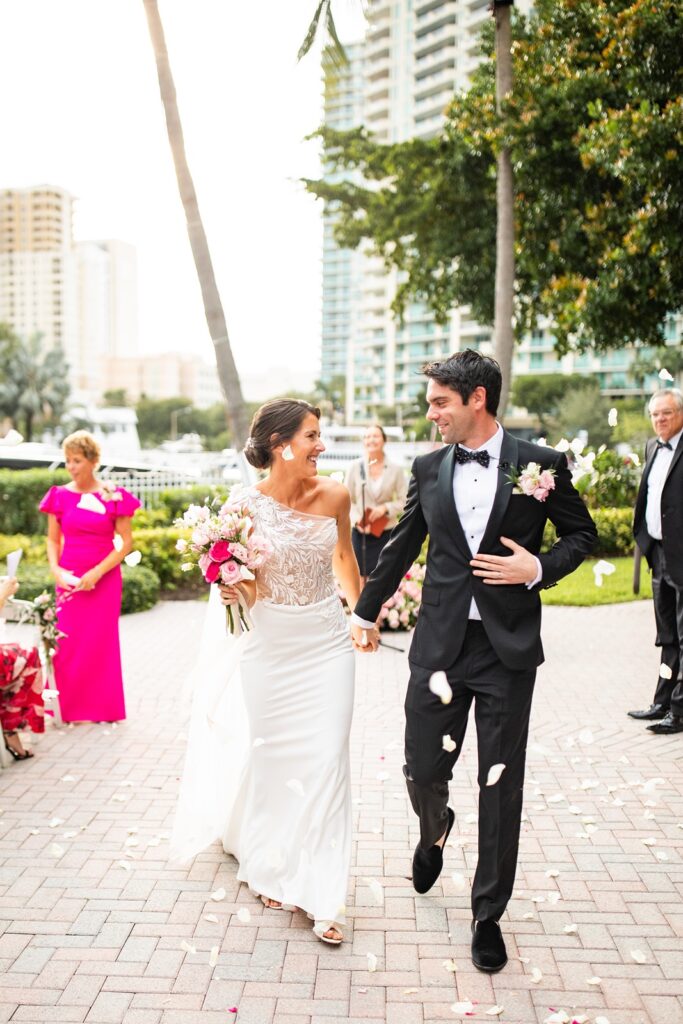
[615, 532]
[140, 586]
[20, 494]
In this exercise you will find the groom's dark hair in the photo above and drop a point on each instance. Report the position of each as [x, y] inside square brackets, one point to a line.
[464, 371]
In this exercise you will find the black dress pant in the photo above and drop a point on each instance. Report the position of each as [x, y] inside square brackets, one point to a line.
[502, 704]
[668, 605]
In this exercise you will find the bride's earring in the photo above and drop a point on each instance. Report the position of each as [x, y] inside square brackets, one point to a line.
[287, 453]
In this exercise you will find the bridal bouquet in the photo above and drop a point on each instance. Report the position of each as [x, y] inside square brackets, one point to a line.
[43, 611]
[226, 548]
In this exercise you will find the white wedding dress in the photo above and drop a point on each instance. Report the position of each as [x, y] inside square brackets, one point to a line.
[267, 767]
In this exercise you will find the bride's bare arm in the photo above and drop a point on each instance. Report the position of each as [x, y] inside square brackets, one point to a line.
[344, 561]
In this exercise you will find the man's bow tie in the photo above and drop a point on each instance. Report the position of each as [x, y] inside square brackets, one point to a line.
[664, 444]
[462, 455]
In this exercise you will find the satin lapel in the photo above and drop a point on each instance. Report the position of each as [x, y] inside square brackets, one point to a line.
[449, 512]
[508, 460]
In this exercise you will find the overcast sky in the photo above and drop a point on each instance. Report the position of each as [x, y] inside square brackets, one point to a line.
[81, 109]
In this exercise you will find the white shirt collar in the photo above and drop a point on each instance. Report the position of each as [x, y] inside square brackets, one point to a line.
[673, 441]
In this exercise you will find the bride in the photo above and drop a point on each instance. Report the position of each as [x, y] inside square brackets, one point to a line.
[282, 803]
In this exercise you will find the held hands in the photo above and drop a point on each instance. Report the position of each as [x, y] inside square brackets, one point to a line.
[8, 586]
[376, 513]
[365, 640]
[230, 595]
[88, 580]
[505, 570]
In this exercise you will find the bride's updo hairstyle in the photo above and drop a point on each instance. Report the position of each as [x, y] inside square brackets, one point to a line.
[275, 423]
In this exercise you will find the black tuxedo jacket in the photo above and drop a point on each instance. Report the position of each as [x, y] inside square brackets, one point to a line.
[511, 615]
[672, 512]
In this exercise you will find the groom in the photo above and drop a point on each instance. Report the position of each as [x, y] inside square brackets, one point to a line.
[479, 621]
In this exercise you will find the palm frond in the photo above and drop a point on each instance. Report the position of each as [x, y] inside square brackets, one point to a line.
[323, 17]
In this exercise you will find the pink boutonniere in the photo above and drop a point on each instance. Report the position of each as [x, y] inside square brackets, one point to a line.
[533, 481]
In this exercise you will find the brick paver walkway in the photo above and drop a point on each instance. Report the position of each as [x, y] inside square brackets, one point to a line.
[95, 925]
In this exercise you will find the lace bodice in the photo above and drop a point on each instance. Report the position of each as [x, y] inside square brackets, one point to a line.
[299, 571]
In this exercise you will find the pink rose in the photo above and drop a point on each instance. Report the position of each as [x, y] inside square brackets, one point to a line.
[220, 551]
[212, 572]
[546, 480]
[526, 484]
[239, 552]
[204, 561]
[541, 493]
[230, 573]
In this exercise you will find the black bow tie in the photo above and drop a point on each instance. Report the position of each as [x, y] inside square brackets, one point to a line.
[462, 455]
[664, 444]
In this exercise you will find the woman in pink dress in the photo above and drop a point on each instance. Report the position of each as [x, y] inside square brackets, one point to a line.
[84, 515]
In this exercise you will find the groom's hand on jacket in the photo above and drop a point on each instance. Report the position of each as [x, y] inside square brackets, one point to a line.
[364, 640]
[505, 570]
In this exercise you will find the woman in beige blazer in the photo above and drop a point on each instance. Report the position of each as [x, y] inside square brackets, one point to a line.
[378, 492]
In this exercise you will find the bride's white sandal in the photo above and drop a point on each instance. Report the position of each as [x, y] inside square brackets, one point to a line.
[321, 930]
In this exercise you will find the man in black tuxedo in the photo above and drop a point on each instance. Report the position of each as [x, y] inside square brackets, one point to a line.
[479, 620]
[658, 529]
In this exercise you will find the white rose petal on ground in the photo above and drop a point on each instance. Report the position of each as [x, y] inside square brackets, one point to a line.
[69, 835]
[553, 873]
[651, 784]
[218, 895]
[448, 744]
[440, 687]
[639, 956]
[594, 980]
[372, 962]
[244, 915]
[612, 417]
[523, 959]
[602, 568]
[296, 786]
[471, 819]
[602, 1020]
[664, 374]
[570, 929]
[123, 864]
[459, 881]
[211, 918]
[528, 916]
[55, 822]
[650, 841]
[187, 947]
[495, 772]
[588, 784]
[665, 671]
[450, 965]
[586, 737]
[383, 776]
[660, 855]
[410, 991]
[573, 809]
[556, 798]
[536, 975]
[213, 956]
[376, 890]
[538, 899]
[558, 1017]
[495, 1011]
[72, 778]
[462, 1008]
[56, 850]
[258, 742]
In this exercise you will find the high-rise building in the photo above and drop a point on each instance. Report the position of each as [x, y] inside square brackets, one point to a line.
[80, 295]
[415, 54]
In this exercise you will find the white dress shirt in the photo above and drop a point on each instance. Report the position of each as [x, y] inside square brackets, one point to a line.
[655, 485]
[474, 490]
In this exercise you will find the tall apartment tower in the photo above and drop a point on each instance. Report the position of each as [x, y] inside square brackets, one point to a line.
[80, 295]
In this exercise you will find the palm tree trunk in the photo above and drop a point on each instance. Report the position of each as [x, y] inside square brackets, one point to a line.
[504, 340]
[213, 309]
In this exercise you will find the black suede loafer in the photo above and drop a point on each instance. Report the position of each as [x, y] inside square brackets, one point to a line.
[427, 864]
[651, 714]
[488, 948]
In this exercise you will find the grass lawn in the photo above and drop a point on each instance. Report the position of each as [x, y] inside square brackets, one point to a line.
[579, 588]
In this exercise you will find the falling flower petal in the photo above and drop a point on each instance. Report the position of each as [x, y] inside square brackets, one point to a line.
[187, 947]
[211, 918]
[594, 981]
[536, 975]
[602, 568]
[450, 965]
[448, 744]
[218, 895]
[372, 962]
[438, 684]
[462, 1008]
[612, 417]
[459, 881]
[376, 890]
[471, 819]
[244, 915]
[213, 956]
[495, 772]
[56, 850]
[562, 446]
[638, 956]
[665, 671]
[296, 786]
[134, 558]
[664, 374]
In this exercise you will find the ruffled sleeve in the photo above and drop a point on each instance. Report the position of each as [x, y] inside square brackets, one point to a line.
[128, 504]
[52, 502]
